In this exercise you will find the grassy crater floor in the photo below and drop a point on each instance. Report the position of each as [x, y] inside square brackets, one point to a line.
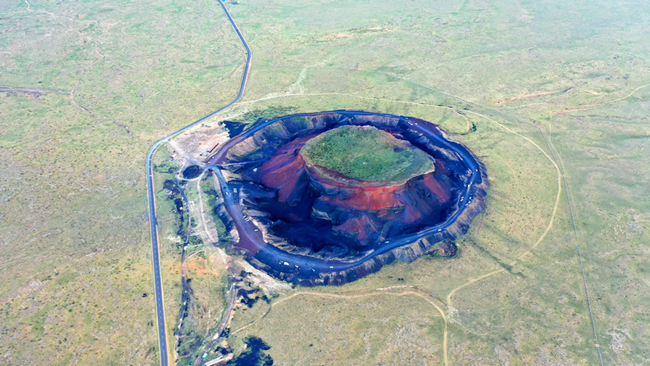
[367, 153]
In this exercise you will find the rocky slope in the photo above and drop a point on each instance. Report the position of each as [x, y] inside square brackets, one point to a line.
[335, 228]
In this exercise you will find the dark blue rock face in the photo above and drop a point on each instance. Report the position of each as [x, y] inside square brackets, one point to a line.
[320, 230]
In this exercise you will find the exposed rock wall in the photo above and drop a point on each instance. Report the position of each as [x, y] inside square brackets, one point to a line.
[341, 228]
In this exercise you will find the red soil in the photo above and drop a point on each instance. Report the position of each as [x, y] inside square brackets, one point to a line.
[371, 205]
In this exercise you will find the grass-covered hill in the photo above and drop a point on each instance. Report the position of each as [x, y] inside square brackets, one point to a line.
[367, 153]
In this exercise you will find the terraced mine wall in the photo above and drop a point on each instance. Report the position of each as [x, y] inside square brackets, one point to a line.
[311, 228]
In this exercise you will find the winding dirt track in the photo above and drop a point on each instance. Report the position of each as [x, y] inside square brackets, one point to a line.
[471, 281]
[486, 275]
[548, 227]
[367, 293]
[479, 278]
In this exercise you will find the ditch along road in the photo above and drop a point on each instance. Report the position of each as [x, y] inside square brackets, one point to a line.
[165, 352]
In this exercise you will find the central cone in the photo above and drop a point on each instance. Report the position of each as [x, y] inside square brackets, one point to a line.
[366, 153]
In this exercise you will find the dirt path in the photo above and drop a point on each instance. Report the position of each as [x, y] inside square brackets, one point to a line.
[225, 320]
[552, 159]
[34, 91]
[532, 95]
[274, 96]
[203, 222]
[548, 227]
[594, 106]
[518, 258]
[471, 281]
[367, 293]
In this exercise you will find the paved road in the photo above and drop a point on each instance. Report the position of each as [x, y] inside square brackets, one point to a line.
[253, 242]
[153, 221]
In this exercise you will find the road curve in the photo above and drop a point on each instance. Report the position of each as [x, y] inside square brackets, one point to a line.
[153, 221]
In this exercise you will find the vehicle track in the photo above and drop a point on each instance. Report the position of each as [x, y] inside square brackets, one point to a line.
[553, 161]
[367, 293]
[518, 257]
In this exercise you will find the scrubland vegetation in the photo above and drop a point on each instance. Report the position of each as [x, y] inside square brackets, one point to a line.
[552, 97]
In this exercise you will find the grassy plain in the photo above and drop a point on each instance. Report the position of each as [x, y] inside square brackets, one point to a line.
[552, 97]
[515, 294]
[75, 248]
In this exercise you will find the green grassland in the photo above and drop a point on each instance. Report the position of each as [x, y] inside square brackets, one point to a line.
[367, 154]
[567, 161]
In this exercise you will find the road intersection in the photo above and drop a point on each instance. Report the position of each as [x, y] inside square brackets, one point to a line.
[165, 352]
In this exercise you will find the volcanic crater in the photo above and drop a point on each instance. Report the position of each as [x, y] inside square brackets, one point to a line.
[326, 198]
